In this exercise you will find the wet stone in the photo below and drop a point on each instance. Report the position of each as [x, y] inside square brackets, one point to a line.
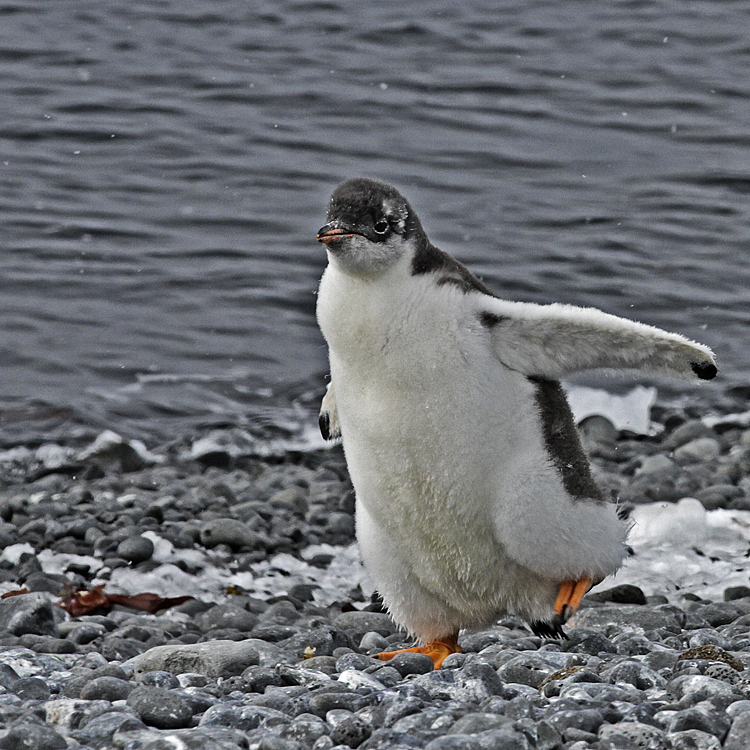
[738, 737]
[736, 592]
[587, 719]
[136, 549]
[8, 675]
[322, 703]
[228, 531]
[31, 689]
[352, 732]
[84, 633]
[114, 648]
[356, 624]
[31, 737]
[28, 613]
[474, 723]
[160, 708]
[99, 730]
[692, 739]
[704, 718]
[215, 659]
[623, 594]
[45, 644]
[411, 663]
[160, 679]
[107, 688]
[227, 616]
[701, 449]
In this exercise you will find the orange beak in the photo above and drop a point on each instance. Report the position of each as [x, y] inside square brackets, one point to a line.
[332, 232]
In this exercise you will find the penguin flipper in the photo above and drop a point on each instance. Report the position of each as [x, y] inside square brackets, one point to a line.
[328, 419]
[554, 341]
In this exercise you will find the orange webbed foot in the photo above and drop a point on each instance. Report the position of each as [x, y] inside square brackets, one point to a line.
[437, 650]
[569, 597]
[568, 600]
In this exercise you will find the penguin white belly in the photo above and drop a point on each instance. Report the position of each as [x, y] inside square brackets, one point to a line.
[457, 496]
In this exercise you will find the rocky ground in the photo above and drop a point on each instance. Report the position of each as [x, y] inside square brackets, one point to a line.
[287, 665]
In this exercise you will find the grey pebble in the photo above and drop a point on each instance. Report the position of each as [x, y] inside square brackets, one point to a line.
[306, 731]
[704, 718]
[107, 688]
[411, 663]
[30, 613]
[158, 678]
[83, 633]
[216, 659]
[227, 616]
[356, 624]
[738, 737]
[474, 723]
[373, 641]
[352, 732]
[322, 703]
[160, 708]
[587, 719]
[100, 729]
[31, 689]
[31, 737]
[228, 531]
[702, 449]
[136, 549]
[244, 718]
[692, 739]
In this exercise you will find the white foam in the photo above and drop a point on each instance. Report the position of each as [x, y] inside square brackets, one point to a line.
[682, 548]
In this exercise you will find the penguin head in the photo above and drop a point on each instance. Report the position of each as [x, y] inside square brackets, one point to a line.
[370, 226]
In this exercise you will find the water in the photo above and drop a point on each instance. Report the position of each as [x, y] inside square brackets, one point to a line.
[164, 167]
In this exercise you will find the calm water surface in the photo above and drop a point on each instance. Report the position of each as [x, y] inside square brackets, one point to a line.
[164, 166]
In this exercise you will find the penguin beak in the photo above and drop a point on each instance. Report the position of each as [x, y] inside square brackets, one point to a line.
[332, 232]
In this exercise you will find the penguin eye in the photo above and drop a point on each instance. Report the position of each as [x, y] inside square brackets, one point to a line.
[380, 227]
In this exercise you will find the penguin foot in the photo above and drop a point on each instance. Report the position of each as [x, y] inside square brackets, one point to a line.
[436, 650]
[569, 598]
[549, 628]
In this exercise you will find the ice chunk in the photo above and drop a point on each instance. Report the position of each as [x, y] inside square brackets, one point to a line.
[628, 411]
[681, 523]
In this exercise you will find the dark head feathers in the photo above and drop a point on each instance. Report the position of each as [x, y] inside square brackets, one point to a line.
[360, 203]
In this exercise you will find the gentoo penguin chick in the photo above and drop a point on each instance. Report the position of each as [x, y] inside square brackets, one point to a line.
[473, 495]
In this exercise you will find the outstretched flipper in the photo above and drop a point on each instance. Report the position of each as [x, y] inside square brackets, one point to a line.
[328, 419]
[554, 341]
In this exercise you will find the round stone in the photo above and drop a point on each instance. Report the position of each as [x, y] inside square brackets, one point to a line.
[227, 531]
[411, 663]
[351, 731]
[136, 549]
[31, 689]
[32, 737]
[160, 708]
[159, 678]
[107, 688]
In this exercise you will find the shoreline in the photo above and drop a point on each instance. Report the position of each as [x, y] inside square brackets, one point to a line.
[264, 544]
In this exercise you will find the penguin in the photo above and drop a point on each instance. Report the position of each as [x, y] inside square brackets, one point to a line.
[474, 497]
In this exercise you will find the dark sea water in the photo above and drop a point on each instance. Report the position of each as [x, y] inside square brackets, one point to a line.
[164, 166]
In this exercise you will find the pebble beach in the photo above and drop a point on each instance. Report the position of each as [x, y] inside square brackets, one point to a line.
[271, 645]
